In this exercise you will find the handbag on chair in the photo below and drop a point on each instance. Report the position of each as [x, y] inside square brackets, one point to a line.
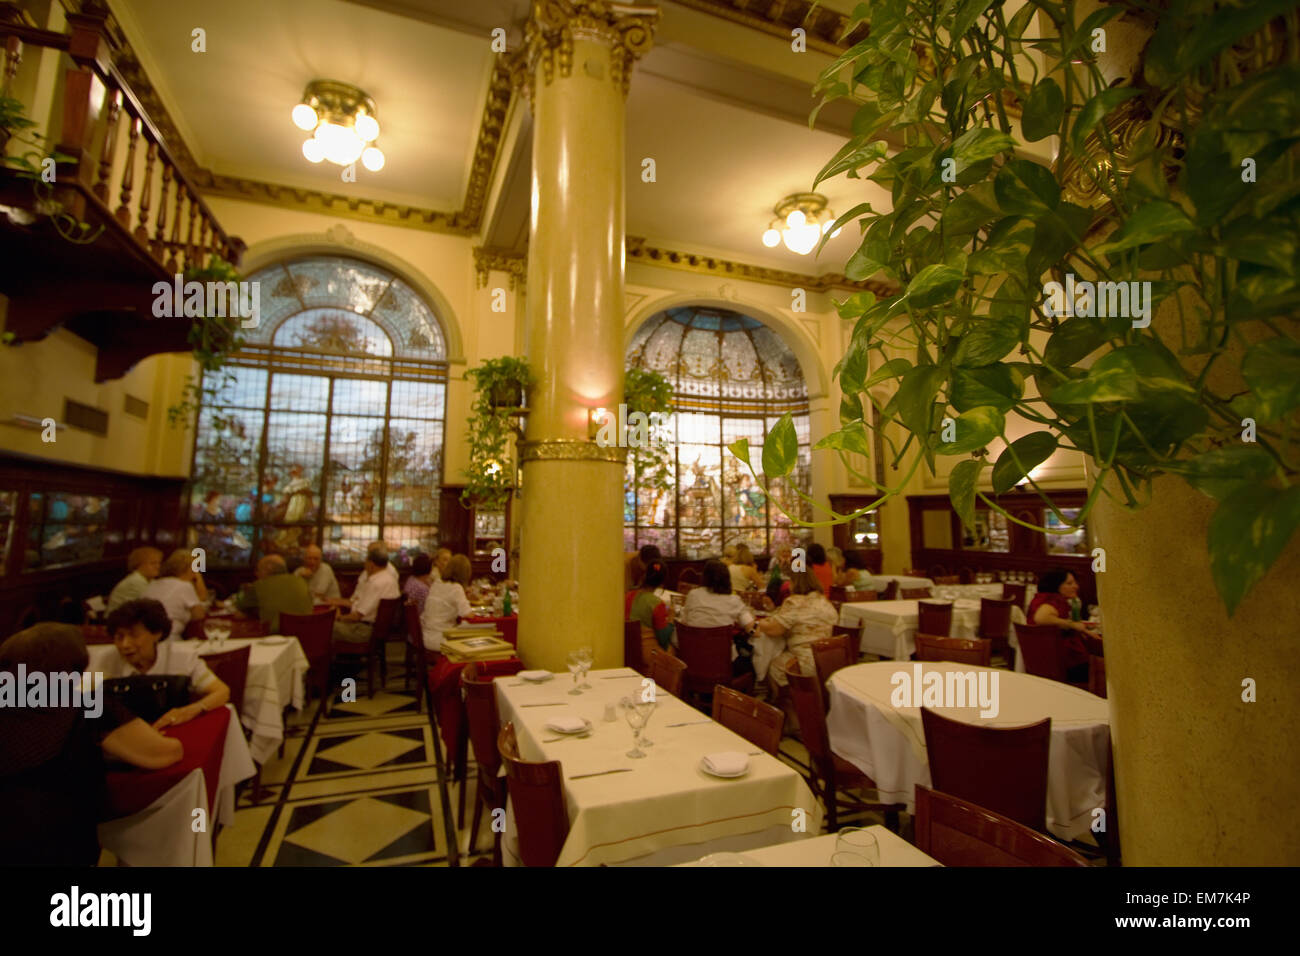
[150, 697]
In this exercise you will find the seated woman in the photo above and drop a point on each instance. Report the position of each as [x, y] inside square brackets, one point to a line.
[821, 567]
[713, 605]
[841, 575]
[446, 603]
[52, 758]
[180, 589]
[416, 588]
[1051, 605]
[804, 617]
[644, 606]
[744, 572]
[136, 628]
[856, 574]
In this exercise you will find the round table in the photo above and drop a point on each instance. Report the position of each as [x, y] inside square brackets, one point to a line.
[886, 741]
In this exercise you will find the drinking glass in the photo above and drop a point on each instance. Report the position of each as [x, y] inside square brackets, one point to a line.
[575, 667]
[647, 708]
[223, 632]
[210, 629]
[585, 657]
[858, 840]
[636, 720]
[844, 858]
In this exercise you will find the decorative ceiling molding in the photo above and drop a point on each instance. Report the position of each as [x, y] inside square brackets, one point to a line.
[626, 28]
[638, 251]
[825, 28]
[487, 261]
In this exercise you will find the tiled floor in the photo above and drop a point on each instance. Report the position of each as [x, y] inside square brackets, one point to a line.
[360, 787]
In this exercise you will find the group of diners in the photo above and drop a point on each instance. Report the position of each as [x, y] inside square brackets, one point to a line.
[436, 585]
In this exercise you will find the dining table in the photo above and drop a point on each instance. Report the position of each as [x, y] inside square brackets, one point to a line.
[662, 809]
[888, 628]
[878, 582]
[886, 740]
[816, 852]
[152, 813]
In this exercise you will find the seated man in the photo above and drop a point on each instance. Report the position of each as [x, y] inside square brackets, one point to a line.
[275, 590]
[377, 582]
[320, 576]
[143, 565]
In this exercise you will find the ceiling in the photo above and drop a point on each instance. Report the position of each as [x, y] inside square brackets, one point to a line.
[722, 108]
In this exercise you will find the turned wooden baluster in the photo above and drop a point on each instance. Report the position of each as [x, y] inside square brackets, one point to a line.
[110, 146]
[204, 227]
[13, 57]
[142, 224]
[172, 265]
[128, 174]
[159, 244]
[189, 241]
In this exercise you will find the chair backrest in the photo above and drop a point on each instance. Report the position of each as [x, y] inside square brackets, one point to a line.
[933, 647]
[414, 631]
[232, 668]
[481, 711]
[313, 632]
[890, 592]
[1001, 768]
[632, 647]
[837, 595]
[1097, 675]
[914, 594]
[1040, 646]
[759, 723]
[806, 696]
[537, 792]
[934, 618]
[1016, 592]
[689, 576]
[957, 832]
[832, 653]
[509, 628]
[995, 617]
[667, 671]
[860, 596]
[95, 634]
[947, 579]
[386, 617]
[706, 651]
[915, 573]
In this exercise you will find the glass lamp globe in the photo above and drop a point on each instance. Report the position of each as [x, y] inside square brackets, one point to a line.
[372, 159]
[795, 218]
[771, 238]
[367, 127]
[304, 117]
[803, 238]
[340, 143]
[313, 150]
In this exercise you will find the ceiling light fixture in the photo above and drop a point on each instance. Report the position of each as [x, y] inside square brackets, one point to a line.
[801, 220]
[341, 119]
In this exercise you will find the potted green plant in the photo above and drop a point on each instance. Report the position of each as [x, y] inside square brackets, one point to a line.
[500, 387]
[213, 338]
[1023, 162]
[651, 463]
[16, 127]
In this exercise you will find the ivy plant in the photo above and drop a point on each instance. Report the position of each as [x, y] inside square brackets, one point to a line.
[17, 128]
[1011, 163]
[213, 339]
[652, 465]
[499, 385]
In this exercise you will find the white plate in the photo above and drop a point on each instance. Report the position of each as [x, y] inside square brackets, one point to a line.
[537, 678]
[725, 776]
[573, 733]
[727, 859]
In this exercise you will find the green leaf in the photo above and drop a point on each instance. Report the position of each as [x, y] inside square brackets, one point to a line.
[933, 285]
[1247, 532]
[852, 369]
[1042, 116]
[1272, 370]
[1184, 43]
[1111, 385]
[967, 13]
[862, 264]
[1153, 222]
[1083, 35]
[740, 448]
[980, 143]
[974, 208]
[852, 156]
[916, 396]
[1026, 189]
[893, 369]
[852, 437]
[994, 385]
[991, 338]
[1074, 339]
[1095, 109]
[781, 449]
[1031, 451]
[1221, 471]
[1020, 22]
[973, 429]
[860, 209]
[963, 482]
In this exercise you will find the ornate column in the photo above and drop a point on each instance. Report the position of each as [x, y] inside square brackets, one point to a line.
[577, 64]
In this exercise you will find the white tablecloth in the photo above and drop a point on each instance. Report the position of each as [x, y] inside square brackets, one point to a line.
[666, 810]
[879, 582]
[889, 627]
[894, 851]
[162, 833]
[888, 743]
[276, 669]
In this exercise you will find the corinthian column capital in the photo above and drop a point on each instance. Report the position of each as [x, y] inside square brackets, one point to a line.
[626, 28]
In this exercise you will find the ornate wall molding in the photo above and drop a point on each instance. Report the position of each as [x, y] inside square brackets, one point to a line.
[827, 30]
[568, 449]
[639, 251]
[487, 261]
[627, 28]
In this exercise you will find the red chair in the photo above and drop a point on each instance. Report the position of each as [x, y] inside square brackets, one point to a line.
[231, 667]
[667, 671]
[832, 653]
[315, 633]
[374, 650]
[837, 596]
[484, 725]
[959, 833]
[541, 818]
[95, 634]
[1041, 646]
[759, 723]
[890, 592]
[995, 625]
[632, 647]
[914, 594]
[706, 651]
[1014, 592]
[418, 657]
[861, 597]
[1002, 769]
[689, 576]
[1097, 675]
[509, 628]
[947, 579]
[932, 647]
[831, 777]
[934, 618]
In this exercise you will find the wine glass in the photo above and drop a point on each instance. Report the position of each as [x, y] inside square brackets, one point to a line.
[860, 841]
[636, 718]
[647, 708]
[223, 632]
[575, 668]
[845, 858]
[585, 657]
[210, 629]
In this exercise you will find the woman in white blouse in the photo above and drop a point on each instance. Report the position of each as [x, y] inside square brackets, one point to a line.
[446, 602]
[804, 617]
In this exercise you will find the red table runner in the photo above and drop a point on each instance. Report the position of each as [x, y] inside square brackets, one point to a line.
[204, 738]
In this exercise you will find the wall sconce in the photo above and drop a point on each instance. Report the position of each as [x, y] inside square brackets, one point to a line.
[596, 419]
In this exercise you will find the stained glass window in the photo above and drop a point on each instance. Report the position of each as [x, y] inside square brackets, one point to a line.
[331, 432]
[732, 377]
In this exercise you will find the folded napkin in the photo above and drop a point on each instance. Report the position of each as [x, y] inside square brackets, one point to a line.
[566, 724]
[534, 675]
[727, 762]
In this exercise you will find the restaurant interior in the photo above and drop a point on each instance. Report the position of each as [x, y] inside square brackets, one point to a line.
[573, 433]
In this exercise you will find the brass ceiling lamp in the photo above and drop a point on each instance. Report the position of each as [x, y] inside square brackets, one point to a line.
[801, 220]
[342, 120]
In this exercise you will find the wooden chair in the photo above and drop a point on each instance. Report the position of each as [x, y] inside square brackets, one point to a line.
[837, 596]
[759, 723]
[948, 579]
[890, 592]
[1097, 675]
[666, 671]
[934, 618]
[1002, 769]
[373, 650]
[689, 576]
[1041, 646]
[834, 652]
[959, 833]
[315, 633]
[915, 573]
[933, 647]
[861, 597]
[418, 657]
[1014, 592]
[232, 668]
[95, 634]
[831, 778]
[706, 651]
[541, 820]
[995, 625]
[914, 594]
[484, 726]
[632, 656]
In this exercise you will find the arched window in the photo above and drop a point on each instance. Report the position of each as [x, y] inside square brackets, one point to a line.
[732, 377]
[332, 430]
